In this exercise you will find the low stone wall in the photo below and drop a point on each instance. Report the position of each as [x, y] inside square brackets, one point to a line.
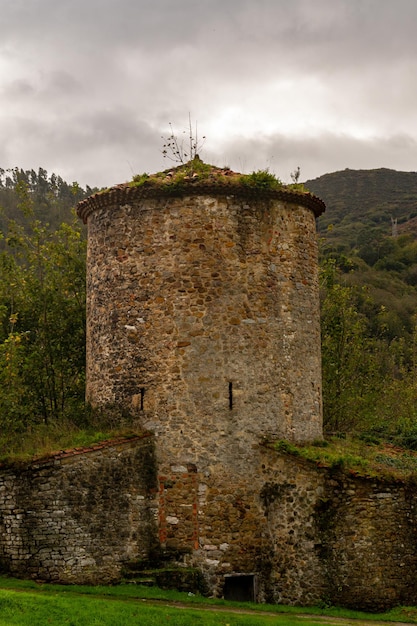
[337, 538]
[368, 533]
[306, 534]
[78, 515]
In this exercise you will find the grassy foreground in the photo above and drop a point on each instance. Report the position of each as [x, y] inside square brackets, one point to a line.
[26, 603]
[33, 609]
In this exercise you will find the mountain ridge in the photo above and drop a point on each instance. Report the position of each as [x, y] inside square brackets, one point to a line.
[371, 197]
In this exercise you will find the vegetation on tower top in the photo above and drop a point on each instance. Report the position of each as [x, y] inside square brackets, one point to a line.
[196, 171]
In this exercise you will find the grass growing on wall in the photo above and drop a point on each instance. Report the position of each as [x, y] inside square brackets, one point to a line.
[46, 439]
[354, 455]
[358, 456]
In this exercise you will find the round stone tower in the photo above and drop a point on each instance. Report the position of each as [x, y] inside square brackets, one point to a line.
[203, 308]
[203, 323]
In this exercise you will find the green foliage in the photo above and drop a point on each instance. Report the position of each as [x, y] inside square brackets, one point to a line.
[285, 446]
[369, 375]
[361, 203]
[297, 187]
[27, 195]
[178, 179]
[357, 227]
[140, 179]
[15, 396]
[80, 429]
[356, 456]
[42, 317]
[351, 359]
[262, 179]
[369, 303]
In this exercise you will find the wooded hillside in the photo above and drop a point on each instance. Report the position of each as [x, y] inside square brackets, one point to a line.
[368, 245]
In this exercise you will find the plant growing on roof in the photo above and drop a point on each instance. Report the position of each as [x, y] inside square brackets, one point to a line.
[262, 179]
[295, 175]
[177, 150]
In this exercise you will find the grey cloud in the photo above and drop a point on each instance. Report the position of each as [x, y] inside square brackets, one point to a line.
[92, 85]
[108, 150]
[321, 154]
[161, 25]
[113, 127]
[20, 88]
[54, 84]
[97, 150]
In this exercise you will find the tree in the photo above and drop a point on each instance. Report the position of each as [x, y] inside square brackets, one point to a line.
[42, 321]
[351, 359]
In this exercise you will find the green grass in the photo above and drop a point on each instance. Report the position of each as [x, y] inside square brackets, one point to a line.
[27, 602]
[46, 439]
[262, 179]
[33, 609]
[357, 456]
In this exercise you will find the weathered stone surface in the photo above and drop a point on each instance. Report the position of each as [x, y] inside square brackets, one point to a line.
[77, 517]
[307, 534]
[203, 318]
[368, 548]
[203, 321]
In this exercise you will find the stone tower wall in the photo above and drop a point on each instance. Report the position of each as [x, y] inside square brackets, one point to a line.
[203, 319]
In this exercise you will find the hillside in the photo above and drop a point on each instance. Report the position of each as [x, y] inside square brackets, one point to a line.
[30, 194]
[361, 204]
[369, 229]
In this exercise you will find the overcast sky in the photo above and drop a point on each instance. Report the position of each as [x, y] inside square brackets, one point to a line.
[87, 87]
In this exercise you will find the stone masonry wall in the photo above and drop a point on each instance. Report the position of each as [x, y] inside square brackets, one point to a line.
[368, 531]
[203, 319]
[203, 322]
[262, 522]
[77, 516]
[307, 534]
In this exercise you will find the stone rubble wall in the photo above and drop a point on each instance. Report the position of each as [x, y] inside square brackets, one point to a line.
[368, 531]
[262, 522]
[308, 534]
[77, 516]
[203, 320]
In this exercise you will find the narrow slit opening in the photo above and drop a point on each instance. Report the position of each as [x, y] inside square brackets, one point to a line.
[230, 396]
[142, 395]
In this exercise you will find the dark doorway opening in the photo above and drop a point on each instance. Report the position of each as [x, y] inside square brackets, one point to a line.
[240, 587]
